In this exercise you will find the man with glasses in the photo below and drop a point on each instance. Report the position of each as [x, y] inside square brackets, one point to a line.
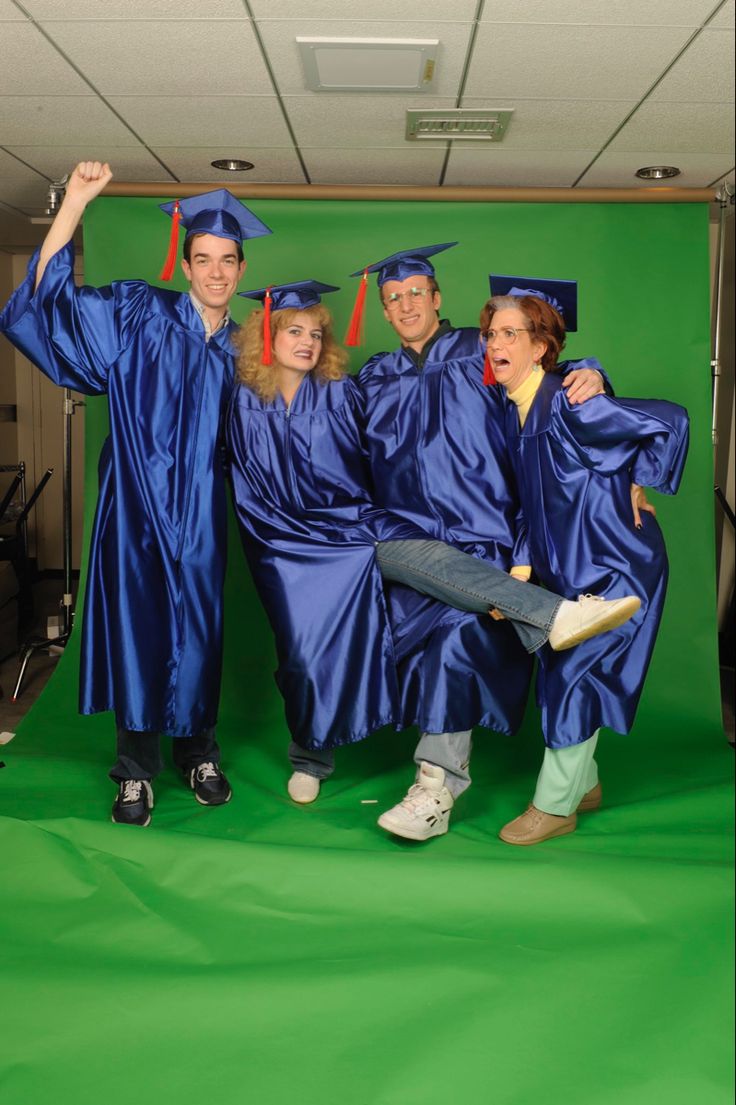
[434, 434]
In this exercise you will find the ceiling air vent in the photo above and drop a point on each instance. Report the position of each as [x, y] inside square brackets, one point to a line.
[461, 124]
[369, 64]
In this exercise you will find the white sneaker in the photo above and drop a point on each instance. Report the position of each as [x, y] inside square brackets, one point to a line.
[303, 788]
[425, 812]
[577, 621]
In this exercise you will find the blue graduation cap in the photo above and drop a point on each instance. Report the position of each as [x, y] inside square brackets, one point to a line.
[399, 266]
[279, 297]
[560, 294]
[217, 212]
[300, 295]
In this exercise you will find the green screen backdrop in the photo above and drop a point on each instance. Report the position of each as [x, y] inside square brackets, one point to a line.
[269, 953]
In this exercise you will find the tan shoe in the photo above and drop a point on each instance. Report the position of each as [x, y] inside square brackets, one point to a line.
[534, 826]
[591, 800]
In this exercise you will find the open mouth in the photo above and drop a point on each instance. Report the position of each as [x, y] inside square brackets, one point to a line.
[500, 362]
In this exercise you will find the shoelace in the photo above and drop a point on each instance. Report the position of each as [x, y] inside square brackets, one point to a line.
[417, 796]
[206, 771]
[132, 790]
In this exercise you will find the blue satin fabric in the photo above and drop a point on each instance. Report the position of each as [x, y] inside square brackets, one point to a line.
[438, 457]
[574, 466]
[152, 630]
[309, 531]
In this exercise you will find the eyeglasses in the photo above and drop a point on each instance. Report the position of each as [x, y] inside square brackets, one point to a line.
[392, 301]
[507, 334]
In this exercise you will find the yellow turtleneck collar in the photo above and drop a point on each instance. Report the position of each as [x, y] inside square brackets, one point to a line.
[523, 396]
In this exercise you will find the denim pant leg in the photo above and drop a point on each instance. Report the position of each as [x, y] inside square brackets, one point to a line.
[138, 755]
[190, 752]
[468, 583]
[451, 752]
[319, 762]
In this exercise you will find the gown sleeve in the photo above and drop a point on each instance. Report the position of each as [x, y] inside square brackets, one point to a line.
[590, 362]
[73, 334]
[646, 437]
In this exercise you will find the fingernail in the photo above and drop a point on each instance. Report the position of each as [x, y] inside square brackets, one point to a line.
[638, 525]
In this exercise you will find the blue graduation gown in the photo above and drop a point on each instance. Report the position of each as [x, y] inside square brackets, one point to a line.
[152, 630]
[438, 457]
[309, 531]
[574, 466]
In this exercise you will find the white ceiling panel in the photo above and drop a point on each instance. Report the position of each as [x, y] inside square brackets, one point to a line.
[164, 59]
[615, 169]
[683, 127]
[135, 9]
[271, 166]
[13, 172]
[128, 163]
[279, 38]
[726, 16]
[601, 63]
[326, 119]
[438, 11]
[32, 66]
[574, 123]
[8, 10]
[55, 120]
[226, 120]
[374, 166]
[727, 178]
[686, 13]
[499, 168]
[704, 72]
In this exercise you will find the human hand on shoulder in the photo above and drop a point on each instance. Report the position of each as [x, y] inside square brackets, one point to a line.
[640, 502]
[583, 384]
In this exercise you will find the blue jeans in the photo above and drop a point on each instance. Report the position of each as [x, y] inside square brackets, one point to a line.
[139, 754]
[467, 583]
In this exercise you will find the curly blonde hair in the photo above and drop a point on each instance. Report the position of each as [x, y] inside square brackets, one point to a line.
[262, 378]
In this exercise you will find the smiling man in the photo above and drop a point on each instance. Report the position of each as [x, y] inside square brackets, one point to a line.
[435, 439]
[152, 631]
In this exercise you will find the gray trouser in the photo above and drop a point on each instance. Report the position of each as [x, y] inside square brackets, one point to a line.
[139, 754]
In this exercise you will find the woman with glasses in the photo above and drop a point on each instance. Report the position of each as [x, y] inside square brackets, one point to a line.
[574, 468]
[317, 546]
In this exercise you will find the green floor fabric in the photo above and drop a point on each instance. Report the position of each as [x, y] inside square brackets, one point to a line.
[270, 953]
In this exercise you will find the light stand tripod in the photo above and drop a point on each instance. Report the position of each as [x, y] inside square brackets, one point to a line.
[36, 644]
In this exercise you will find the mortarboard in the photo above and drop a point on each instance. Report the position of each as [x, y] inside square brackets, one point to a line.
[217, 212]
[560, 294]
[399, 266]
[278, 297]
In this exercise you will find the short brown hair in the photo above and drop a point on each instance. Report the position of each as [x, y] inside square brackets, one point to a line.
[544, 322]
[261, 378]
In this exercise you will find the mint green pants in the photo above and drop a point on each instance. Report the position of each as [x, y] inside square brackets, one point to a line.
[566, 775]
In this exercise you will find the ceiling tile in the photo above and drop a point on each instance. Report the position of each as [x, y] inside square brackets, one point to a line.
[704, 72]
[165, 59]
[496, 167]
[126, 162]
[686, 13]
[30, 64]
[374, 166]
[13, 172]
[135, 9]
[726, 16]
[728, 178]
[279, 37]
[222, 120]
[615, 169]
[564, 124]
[329, 119]
[578, 62]
[51, 120]
[272, 166]
[9, 11]
[385, 10]
[683, 127]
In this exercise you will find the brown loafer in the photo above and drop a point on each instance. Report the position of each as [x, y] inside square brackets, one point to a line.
[591, 800]
[534, 826]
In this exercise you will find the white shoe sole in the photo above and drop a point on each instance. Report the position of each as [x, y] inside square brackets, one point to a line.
[614, 618]
[398, 829]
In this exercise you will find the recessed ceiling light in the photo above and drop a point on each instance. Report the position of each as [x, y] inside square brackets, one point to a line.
[231, 164]
[658, 172]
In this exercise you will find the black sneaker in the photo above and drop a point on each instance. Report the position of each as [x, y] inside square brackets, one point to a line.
[210, 786]
[134, 803]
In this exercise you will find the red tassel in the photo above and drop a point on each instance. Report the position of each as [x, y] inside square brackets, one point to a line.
[170, 264]
[488, 377]
[266, 358]
[354, 335]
